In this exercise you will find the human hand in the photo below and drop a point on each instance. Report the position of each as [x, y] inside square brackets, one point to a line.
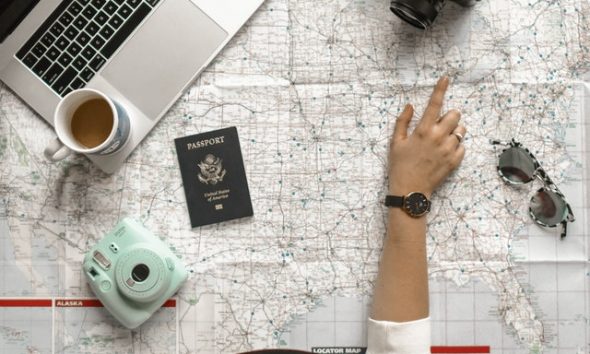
[421, 161]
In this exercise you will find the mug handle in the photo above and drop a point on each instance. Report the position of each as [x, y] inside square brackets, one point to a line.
[56, 151]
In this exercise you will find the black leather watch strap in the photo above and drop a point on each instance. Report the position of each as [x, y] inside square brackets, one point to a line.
[394, 201]
[414, 204]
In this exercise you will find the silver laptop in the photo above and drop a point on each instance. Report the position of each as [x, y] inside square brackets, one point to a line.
[142, 53]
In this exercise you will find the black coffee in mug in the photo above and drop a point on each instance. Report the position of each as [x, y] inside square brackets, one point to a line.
[92, 123]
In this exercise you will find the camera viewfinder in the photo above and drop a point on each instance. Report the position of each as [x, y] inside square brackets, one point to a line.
[93, 273]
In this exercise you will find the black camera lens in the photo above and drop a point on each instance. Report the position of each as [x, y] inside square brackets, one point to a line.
[140, 273]
[418, 13]
[422, 13]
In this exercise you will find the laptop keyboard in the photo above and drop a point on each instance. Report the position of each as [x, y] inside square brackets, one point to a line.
[78, 38]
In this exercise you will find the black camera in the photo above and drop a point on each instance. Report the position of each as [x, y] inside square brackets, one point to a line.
[421, 13]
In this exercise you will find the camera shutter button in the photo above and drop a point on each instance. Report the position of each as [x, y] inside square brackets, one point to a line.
[105, 285]
[169, 263]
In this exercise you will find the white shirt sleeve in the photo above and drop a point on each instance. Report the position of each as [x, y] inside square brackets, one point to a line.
[398, 337]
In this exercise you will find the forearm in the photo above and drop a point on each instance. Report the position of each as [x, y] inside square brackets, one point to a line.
[401, 291]
[418, 163]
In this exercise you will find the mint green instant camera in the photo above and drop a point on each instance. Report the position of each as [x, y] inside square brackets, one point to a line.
[133, 272]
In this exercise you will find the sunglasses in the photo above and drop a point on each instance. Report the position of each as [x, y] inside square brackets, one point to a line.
[548, 206]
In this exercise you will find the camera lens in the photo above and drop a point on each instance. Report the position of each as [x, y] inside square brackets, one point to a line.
[409, 17]
[422, 13]
[140, 273]
[418, 13]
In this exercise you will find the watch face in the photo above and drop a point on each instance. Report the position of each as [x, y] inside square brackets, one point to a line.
[416, 204]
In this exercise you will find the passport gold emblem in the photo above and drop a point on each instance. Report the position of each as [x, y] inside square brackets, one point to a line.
[212, 171]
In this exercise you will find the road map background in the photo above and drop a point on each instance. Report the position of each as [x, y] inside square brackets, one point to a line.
[314, 89]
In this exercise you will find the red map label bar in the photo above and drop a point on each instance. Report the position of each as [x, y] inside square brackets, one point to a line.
[62, 303]
[25, 302]
[77, 303]
[460, 349]
[95, 303]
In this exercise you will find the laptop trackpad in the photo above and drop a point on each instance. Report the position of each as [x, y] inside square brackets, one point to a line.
[164, 54]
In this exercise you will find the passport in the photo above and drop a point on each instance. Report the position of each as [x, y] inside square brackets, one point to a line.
[213, 176]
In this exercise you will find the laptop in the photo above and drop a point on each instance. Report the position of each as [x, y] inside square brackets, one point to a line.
[141, 53]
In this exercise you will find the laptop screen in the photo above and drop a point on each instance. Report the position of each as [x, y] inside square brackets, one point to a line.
[12, 12]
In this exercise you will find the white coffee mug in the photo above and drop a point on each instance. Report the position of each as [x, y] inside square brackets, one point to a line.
[65, 143]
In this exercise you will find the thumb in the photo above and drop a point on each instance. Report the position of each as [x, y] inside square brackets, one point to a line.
[403, 122]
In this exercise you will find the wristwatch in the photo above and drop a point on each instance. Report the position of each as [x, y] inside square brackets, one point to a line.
[414, 204]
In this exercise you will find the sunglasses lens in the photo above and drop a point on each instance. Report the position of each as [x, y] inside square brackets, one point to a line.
[548, 207]
[516, 165]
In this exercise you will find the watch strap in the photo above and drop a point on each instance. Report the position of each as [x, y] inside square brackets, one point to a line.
[394, 201]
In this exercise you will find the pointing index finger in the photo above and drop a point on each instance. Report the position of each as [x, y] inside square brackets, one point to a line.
[435, 105]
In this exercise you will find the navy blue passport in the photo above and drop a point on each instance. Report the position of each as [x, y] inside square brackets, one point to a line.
[214, 178]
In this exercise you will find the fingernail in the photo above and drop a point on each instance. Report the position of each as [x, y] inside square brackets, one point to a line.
[444, 79]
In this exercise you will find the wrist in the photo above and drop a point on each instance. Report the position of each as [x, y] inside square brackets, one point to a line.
[398, 220]
[404, 190]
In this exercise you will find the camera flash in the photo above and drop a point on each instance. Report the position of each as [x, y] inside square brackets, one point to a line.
[102, 261]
